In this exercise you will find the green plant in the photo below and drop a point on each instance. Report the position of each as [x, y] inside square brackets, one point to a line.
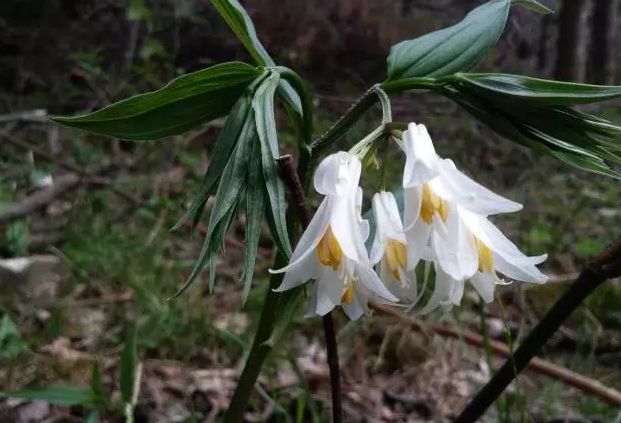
[11, 343]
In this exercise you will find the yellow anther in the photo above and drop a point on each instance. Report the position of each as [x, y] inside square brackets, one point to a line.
[329, 250]
[396, 257]
[432, 203]
[348, 295]
[486, 260]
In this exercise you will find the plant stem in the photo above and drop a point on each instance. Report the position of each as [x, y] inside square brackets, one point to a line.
[260, 347]
[606, 265]
[342, 125]
[408, 84]
[297, 192]
[333, 365]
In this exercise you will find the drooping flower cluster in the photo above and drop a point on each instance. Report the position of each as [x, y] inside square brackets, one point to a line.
[445, 230]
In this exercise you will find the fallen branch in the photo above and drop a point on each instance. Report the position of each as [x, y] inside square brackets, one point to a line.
[90, 177]
[36, 115]
[39, 199]
[537, 364]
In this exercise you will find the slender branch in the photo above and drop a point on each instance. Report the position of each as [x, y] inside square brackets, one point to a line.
[346, 121]
[39, 199]
[537, 364]
[333, 365]
[605, 266]
[385, 101]
[296, 189]
[298, 197]
[66, 165]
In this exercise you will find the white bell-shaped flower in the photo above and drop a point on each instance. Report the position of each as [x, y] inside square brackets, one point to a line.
[431, 185]
[389, 248]
[479, 249]
[331, 250]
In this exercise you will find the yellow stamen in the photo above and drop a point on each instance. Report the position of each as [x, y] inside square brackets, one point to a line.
[486, 261]
[348, 295]
[329, 250]
[431, 204]
[396, 257]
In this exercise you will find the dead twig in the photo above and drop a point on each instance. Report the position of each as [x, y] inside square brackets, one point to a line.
[88, 175]
[36, 115]
[39, 199]
[537, 364]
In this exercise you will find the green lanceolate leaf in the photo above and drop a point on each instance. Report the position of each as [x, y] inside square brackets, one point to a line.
[537, 90]
[240, 23]
[129, 362]
[183, 104]
[543, 138]
[225, 143]
[263, 105]
[292, 101]
[229, 191]
[533, 5]
[256, 200]
[454, 49]
[216, 244]
[538, 110]
[65, 396]
[266, 128]
[93, 416]
[96, 384]
[233, 177]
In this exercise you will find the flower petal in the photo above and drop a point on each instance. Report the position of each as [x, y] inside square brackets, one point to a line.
[523, 272]
[484, 285]
[453, 185]
[345, 225]
[455, 252]
[365, 227]
[420, 156]
[373, 283]
[404, 291]
[495, 240]
[393, 226]
[358, 305]
[417, 239]
[327, 175]
[458, 292]
[379, 246]
[441, 292]
[329, 291]
[311, 309]
[311, 236]
[413, 198]
[337, 173]
[303, 272]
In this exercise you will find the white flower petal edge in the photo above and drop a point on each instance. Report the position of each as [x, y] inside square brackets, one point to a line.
[420, 156]
[389, 248]
[331, 250]
[456, 187]
[388, 224]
